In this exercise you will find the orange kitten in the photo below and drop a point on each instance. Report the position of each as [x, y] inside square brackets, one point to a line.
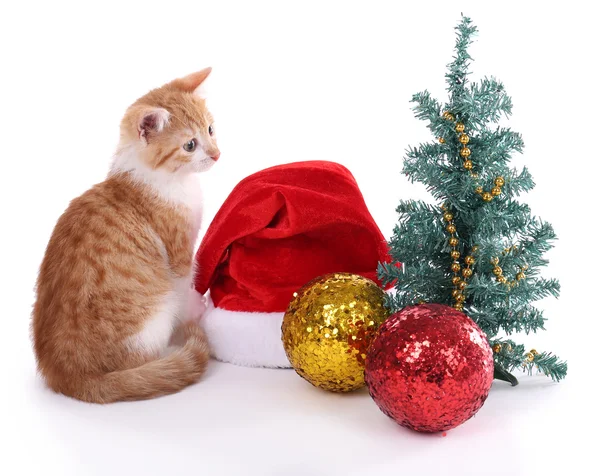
[115, 282]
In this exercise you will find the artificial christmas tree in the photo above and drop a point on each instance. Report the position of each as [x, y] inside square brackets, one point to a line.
[480, 250]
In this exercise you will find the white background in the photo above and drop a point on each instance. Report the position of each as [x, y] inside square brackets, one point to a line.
[294, 81]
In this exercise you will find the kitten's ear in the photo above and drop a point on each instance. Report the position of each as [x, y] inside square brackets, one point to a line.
[192, 82]
[151, 120]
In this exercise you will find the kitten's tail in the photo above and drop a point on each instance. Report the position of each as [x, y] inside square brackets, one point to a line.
[163, 376]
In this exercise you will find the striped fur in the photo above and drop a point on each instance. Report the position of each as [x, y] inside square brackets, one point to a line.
[115, 283]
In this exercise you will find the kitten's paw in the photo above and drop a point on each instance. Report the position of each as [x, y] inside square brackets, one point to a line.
[196, 306]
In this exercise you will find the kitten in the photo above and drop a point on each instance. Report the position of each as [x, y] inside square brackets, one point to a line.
[115, 282]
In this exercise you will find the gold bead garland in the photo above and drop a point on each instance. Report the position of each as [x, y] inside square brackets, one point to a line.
[499, 273]
[529, 356]
[494, 192]
[465, 153]
[459, 283]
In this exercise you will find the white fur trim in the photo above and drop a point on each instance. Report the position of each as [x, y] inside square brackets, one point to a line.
[251, 339]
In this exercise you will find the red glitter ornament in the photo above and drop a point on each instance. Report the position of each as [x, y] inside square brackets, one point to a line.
[429, 368]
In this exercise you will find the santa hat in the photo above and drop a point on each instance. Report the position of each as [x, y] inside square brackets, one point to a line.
[277, 230]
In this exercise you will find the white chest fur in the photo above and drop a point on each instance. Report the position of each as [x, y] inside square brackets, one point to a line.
[178, 189]
[182, 191]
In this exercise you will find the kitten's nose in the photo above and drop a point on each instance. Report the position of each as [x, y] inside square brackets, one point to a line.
[216, 156]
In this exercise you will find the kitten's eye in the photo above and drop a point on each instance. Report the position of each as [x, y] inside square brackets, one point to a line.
[190, 146]
[211, 130]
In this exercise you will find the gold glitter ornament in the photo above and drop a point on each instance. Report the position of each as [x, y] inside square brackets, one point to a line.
[328, 327]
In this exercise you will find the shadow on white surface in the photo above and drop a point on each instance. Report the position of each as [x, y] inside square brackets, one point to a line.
[271, 422]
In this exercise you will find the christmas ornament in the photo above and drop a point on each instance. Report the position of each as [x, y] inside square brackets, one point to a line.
[278, 229]
[328, 327]
[429, 368]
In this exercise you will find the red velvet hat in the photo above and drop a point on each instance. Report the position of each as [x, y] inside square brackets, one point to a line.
[278, 229]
